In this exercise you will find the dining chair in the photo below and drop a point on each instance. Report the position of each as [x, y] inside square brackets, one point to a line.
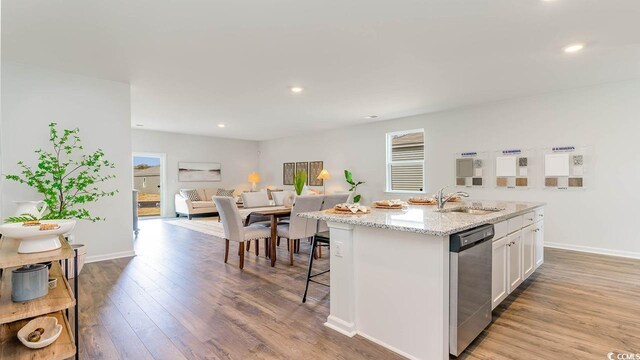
[298, 227]
[256, 199]
[234, 230]
[280, 196]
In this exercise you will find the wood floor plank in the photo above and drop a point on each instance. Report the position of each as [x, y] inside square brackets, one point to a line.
[178, 300]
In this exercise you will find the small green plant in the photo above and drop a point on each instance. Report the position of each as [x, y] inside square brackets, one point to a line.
[66, 180]
[299, 179]
[354, 185]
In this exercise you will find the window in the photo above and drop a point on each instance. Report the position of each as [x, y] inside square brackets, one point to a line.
[405, 161]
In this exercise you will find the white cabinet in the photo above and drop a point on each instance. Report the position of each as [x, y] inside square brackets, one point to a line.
[517, 253]
[538, 240]
[499, 285]
[528, 250]
[514, 243]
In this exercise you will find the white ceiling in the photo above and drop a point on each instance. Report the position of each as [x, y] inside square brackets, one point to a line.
[195, 64]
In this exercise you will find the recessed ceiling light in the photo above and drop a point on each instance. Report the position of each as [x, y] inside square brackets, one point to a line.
[139, 125]
[221, 125]
[573, 48]
[371, 117]
[296, 89]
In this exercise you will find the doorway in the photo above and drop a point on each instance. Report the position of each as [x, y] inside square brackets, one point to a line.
[148, 179]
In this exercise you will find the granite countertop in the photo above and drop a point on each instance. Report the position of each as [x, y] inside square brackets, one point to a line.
[424, 219]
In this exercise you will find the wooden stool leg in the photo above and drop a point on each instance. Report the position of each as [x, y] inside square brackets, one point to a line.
[267, 251]
[257, 248]
[226, 250]
[248, 245]
[241, 255]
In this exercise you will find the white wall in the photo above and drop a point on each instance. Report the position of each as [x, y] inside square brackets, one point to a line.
[601, 218]
[237, 157]
[34, 97]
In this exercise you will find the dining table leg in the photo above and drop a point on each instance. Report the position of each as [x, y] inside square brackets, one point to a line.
[274, 234]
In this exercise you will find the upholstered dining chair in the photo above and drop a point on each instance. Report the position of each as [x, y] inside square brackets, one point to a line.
[280, 196]
[256, 199]
[234, 230]
[298, 227]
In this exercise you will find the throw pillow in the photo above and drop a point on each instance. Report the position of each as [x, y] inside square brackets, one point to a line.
[223, 192]
[190, 194]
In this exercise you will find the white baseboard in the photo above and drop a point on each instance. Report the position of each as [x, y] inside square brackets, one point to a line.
[341, 326]
[593, 250]
[110, 256]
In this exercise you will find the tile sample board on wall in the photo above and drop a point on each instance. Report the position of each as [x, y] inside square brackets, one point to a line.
[471, 169]
[565, 167]
[514, 168]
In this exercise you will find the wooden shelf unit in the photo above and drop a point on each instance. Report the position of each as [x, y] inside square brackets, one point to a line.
[14, 315]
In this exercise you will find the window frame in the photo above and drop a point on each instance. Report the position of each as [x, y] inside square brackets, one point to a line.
[389, 162]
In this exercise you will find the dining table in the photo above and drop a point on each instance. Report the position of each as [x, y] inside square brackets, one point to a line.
[274, 213]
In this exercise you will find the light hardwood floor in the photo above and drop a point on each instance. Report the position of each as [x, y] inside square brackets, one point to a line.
[178, 300]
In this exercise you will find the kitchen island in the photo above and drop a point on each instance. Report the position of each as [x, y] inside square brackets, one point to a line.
[390, 269]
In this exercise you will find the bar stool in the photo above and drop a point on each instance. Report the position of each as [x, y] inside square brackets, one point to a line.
[320, 239]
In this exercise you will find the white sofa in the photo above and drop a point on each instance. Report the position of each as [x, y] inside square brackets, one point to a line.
[189, 208]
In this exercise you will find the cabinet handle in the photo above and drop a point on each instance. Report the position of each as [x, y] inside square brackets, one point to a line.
[541, 215]
[530, 219]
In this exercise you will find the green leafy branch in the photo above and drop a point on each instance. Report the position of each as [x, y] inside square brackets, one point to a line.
[67, 182]
[354, 185]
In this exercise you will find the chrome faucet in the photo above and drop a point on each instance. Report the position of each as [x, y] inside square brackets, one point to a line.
[440, 196]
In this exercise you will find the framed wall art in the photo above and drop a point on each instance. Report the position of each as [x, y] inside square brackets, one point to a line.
[315, 168]
[197, 171]
[288, 170]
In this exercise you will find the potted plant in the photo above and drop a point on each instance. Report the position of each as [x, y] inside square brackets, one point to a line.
[67, 179]
[299, 180]
[354, 185]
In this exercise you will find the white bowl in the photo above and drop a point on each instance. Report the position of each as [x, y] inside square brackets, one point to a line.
[34, 239]
[52, 331]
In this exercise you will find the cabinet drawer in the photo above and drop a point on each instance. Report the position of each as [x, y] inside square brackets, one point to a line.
[528, 219]
[539, 214]
[500, 230]
[515, 223]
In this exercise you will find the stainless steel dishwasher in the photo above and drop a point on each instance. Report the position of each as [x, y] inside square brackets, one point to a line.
[469, 286]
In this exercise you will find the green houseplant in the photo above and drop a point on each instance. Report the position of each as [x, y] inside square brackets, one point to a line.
[299, 179]
[66, 178]
[354, 185]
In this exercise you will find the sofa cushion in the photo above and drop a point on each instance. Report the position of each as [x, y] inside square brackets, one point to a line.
[190, 194]
[271, 191]
[223, 192]
[202, 204]
[202, 194]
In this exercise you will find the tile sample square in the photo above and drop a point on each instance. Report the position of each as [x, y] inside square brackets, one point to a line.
[577, 171]
[477, 163]
[461, 181]
[556, 165]
[477, 181]
[551, 182]
[575, 182]
[464, 167]
[523, 171]
[523, 161]
[578, 160]
[563, 182]
[477, 172]
[501, 182]
[522, 182]
[506, 166]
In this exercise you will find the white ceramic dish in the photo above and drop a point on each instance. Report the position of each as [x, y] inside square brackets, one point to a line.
[34, 239]
[52, 331]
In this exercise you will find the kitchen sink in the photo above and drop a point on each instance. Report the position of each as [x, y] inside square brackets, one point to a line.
[472, 210]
